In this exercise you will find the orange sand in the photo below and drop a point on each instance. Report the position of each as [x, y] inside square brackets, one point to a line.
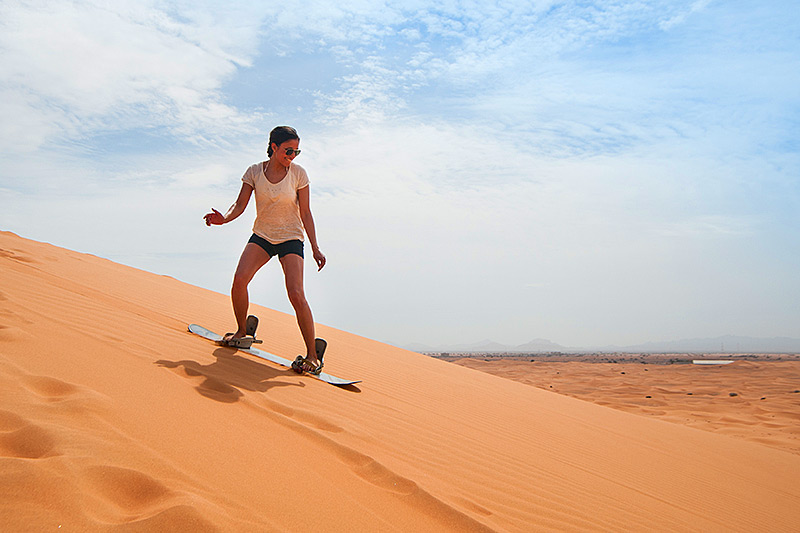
[755, 400]
[114, 417]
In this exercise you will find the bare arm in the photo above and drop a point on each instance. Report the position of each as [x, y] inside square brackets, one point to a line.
[308, 223]
[216, 218]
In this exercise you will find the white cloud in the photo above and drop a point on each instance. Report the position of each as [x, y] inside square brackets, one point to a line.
[681, 16]
[73, 68]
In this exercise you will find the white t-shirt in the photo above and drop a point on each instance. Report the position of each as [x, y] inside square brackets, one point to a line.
[277, 206]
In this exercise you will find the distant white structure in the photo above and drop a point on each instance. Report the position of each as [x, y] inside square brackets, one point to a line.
[711, 362]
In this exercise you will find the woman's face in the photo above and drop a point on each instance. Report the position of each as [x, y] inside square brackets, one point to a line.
[279, 151]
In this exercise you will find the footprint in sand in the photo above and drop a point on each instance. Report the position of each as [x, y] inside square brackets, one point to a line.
[11, 421]
[154, 505]
[24, 440]
[130, 490]
[372, 471]
[302, 416]
[55, 390]
[48, 387]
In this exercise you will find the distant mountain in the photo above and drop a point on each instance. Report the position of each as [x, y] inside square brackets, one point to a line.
[482, 346]
[540, 345]
[724, 344]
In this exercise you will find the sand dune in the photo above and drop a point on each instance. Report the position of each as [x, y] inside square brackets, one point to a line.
[758, 400]
[114, 417]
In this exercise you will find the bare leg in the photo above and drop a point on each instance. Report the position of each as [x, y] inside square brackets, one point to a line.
[253, 258]
[293, 272]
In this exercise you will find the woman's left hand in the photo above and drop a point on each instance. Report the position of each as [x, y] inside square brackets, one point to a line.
[319, 257]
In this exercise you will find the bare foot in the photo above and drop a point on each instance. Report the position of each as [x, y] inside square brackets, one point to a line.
[231, 336]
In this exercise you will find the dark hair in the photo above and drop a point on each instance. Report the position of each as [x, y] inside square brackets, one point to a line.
[280, 135]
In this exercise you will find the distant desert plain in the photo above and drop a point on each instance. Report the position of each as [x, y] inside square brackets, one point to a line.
[754, 397]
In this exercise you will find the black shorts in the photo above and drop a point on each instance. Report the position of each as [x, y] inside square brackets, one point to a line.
[281, 249]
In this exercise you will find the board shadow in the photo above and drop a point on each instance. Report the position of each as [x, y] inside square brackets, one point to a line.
[226, 378]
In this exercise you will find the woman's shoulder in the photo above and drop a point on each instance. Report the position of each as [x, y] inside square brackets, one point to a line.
[299, 175]
[255, 168]
[253, 174]
[297, 169]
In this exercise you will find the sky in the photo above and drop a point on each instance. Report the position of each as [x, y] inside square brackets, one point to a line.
[593, 173]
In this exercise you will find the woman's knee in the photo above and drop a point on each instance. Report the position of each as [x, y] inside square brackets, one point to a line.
[297, 296]
[240, 281]
[252, 259]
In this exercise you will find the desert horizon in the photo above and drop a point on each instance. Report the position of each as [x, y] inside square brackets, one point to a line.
[755, 397]
[756, 346]
[113, 417]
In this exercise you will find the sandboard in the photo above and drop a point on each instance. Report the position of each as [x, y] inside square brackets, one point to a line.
[327, 378]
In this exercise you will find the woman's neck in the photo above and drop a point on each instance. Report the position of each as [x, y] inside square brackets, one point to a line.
[275, 166]
[274, 171]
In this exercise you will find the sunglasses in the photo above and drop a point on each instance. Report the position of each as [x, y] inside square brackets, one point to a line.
[290, 151]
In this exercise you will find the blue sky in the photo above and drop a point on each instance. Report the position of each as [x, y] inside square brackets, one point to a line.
[591, 173]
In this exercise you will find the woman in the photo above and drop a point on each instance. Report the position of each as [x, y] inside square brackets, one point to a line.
[283, 212]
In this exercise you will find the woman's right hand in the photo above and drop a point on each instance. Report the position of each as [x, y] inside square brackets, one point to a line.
[215, 217]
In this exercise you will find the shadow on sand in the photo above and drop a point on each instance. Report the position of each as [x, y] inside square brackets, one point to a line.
[230, 374]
